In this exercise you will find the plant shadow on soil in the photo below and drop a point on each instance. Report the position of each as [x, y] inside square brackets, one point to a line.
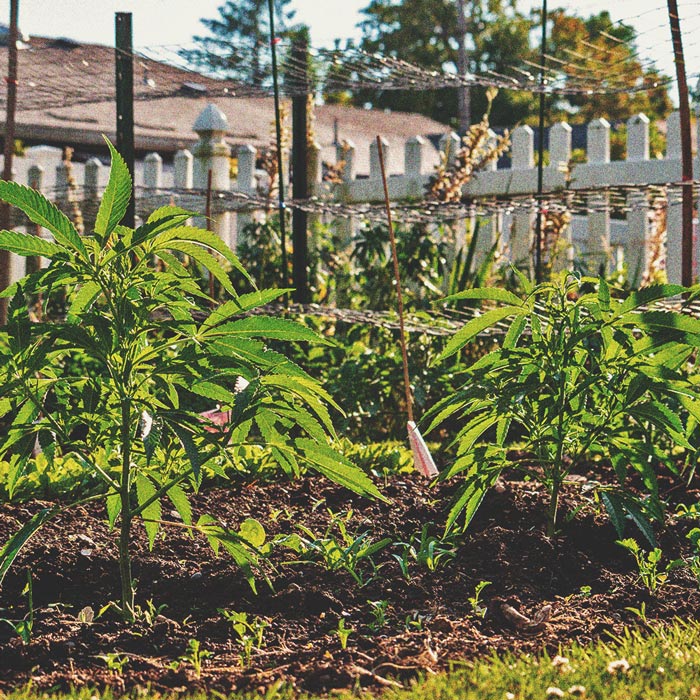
[587, 580]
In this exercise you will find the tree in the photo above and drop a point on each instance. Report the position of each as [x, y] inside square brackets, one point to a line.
[427, 33]
[597, 49]
[237, 46]
[500, 39]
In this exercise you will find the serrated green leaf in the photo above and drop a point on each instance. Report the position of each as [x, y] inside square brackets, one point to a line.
[169, 212]
[648, 295]
[202, 237]
[476, 326]
[338, 468]
[145, 490]
[207, 261]
[83, 299]
[615, 512]
[667, 320]
[14, 545]
[243, 303]
[116, 197]
[42, 212]
[152, 436]
[269, 328]
[191, 451]
[471, 496]
[641, 521]
[182, 504]
[214, 392]
[486, 293]
[28, 245]
[114, 507]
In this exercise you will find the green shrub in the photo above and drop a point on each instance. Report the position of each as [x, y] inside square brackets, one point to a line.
[579, 375]
[131, 307]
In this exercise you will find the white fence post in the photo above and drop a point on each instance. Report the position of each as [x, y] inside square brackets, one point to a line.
[449, 145]
[522, 158]
[637, 242]
[413, 165]
[490, 225]
[91, 176]
[211, 152]
[598, 238]
[153, 171]
[182, 164]
[346, 153]
[62, 191]
[245, 184]
[559, 158]
[375, 171]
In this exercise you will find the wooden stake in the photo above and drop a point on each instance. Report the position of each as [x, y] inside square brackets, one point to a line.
[280, 157]
[397, 277]
[686, 147]
[5, 218]
[207, 215]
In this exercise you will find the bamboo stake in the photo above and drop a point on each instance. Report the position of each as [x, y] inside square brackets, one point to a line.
[686, 147]
[422, 458]
[207, 216]
[397, 277]
[280, 158]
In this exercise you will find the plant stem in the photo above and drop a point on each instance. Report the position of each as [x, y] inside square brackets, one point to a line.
[558, 475]
[125, 533]
[553, 506]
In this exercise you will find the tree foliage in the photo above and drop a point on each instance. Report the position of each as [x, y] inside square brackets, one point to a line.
[237, 41]
[500, 37]
[424, 32]
[602, 49]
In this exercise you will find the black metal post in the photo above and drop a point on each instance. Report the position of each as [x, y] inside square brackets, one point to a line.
[124, 61]
[300, 182]
[540, 149]
[280, 157]
[686, 147]
[9, 150]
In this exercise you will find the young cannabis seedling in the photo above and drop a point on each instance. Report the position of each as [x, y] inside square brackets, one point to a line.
[343, 633]
[579, 374]
[115, 662]
[194, 657]
[426, 550]
[347, 551]
[133, 315]
[648, 565]
[475, 601]
[378, 608]
[249, 632]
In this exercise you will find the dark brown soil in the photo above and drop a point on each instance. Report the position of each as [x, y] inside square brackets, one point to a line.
[577, 585]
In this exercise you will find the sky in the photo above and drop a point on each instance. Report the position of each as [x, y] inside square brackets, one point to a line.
[167, 22]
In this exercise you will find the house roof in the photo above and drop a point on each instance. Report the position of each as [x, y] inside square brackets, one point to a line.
[66, 97]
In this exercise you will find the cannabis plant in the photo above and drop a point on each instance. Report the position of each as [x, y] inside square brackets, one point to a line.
[152, 349]
[578, 376]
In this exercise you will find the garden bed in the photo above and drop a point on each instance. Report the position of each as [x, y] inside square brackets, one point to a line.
[579, 586]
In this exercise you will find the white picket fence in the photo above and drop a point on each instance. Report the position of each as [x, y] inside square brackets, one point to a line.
[594, 234]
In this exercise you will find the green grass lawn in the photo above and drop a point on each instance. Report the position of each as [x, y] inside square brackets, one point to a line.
[663, 664]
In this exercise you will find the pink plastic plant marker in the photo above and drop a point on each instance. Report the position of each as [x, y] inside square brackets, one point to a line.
[422, 458]
[219, 417]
